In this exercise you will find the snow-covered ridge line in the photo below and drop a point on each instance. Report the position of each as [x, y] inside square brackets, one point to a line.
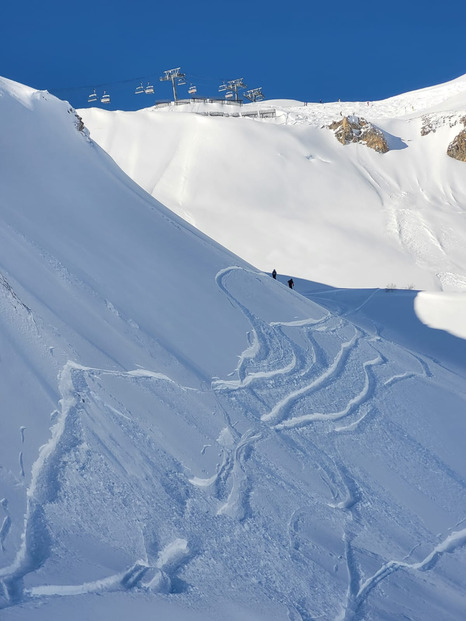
[294, 112]
[396, 218]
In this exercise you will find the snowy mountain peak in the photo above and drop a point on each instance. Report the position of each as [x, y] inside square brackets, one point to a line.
[21, 93]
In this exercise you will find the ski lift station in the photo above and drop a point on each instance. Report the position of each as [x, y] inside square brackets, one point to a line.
[230, 90]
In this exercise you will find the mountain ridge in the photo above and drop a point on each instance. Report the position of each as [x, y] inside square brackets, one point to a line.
[282, 194]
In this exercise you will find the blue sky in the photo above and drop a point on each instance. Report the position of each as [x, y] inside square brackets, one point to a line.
[304, 50]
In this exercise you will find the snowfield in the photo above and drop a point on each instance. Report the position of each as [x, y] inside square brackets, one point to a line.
[183, 437]
[283, 193]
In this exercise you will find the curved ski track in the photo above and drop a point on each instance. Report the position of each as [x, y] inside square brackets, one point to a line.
[283, 403]
[297, 383]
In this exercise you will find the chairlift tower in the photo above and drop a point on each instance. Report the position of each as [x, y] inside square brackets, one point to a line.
[255, 94]
[233, 86]
[172, 75]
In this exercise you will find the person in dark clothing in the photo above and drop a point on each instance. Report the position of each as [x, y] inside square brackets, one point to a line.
[274, 274]
[291, 283]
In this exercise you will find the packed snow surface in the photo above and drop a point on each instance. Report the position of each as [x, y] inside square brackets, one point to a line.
[283, 193]
[183, 437]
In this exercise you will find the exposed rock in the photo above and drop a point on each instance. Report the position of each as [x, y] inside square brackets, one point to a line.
[356, 129]
[427, 126]
[432, 122]
[457, 148]
[79, 123]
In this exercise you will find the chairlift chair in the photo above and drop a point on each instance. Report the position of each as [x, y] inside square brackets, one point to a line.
[222, 87]
[181, 82]
[139, 90]
[229, 95]
[92, 97]
[105, 99]
[149, 90]
[192, 90]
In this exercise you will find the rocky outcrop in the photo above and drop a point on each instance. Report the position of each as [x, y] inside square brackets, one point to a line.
[357, 129]
[457, 148]
[432, 122]
[78, 122]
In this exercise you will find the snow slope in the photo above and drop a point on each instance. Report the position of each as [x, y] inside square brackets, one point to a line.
[445, 311]
[181, 436]
[282, 192]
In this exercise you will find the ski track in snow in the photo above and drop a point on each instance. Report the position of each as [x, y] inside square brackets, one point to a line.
[279, 410]
[156, 578]
[279, 377]
[43, 489]
[358, 593]
[299, 364]
[357, 400]
[6, 523]
[304, 366]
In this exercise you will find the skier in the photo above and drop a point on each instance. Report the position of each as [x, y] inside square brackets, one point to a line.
[274, 274]
[291, 283]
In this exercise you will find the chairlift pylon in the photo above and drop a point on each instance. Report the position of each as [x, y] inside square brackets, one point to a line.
[139, 90]
[105, 99]
[92, 97]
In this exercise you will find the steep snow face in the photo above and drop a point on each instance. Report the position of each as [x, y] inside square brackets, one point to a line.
[187, 437]
[282, 192]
